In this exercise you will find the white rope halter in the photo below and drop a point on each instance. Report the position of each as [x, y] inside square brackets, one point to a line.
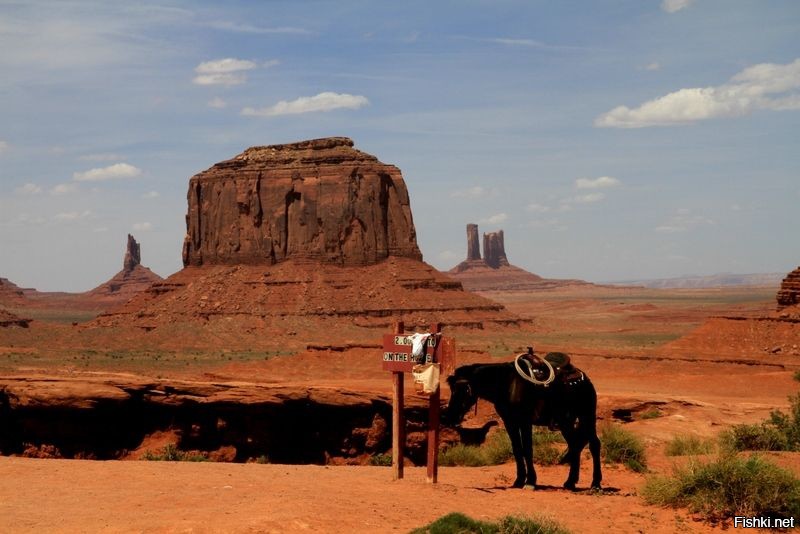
[529, 375]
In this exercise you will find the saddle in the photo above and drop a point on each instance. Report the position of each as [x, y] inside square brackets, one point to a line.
[566, 373]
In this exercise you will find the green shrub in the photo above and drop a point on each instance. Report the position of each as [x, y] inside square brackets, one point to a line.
[622, 446]
[688, 446]
[456, 523]
[758, 437]
[729, 486]
[383, 460]
[171, 453]
[781, 432]
[497, 450]
[796, 375]
[652, 413]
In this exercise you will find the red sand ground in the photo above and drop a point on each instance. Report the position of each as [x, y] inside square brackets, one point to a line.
[619, 339]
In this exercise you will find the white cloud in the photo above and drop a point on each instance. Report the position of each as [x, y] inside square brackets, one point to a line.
[589, 198]
[326, 101]
[227, 71]
[247, 28]
[69, 216]
[3, 146]
[102, 157]
[112, 172]
[143, 226]
[535, 207]
[655, 65]
[28, 189]
[151, 194]
[682, 221]
[63, 189]
[473, 192]
[597, 183]
[217, 103]
[762, 86]
[494, 219]
[672, 6]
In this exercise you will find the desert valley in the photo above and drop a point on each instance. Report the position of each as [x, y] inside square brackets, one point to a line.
[262, 357]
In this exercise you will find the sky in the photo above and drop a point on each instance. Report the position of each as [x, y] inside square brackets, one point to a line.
[609, 139]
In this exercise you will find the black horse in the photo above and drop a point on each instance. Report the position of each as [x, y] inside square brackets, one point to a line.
[568, 403]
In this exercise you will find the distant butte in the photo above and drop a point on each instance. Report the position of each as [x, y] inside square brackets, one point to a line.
[789, 294]
[131, 280]
[493, 272]
[288, 237]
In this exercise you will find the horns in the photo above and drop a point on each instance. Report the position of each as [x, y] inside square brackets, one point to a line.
[529, 375]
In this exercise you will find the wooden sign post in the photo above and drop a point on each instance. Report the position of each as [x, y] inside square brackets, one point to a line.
[398, 358]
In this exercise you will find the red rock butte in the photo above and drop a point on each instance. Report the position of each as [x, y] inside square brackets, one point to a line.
[284, 236]
[789, 294]
[493, 272]
[320, 199]
[131, 280]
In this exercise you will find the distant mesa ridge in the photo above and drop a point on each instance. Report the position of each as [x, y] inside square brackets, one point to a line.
[493, 271]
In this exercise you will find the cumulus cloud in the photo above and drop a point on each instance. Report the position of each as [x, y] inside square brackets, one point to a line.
[112, 172]
[673, 6]
[227, 71]
[151, 194]
[3, 146]
[143, 226]
[682, 221]
[494, 219]
[596, 183]
[655, 65]
[63, 189]
[326, 101]
[28, 189]
[763, 86]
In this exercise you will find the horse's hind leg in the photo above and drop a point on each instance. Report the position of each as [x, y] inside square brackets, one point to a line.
[594, 448]
[526, 433]
[576, 441]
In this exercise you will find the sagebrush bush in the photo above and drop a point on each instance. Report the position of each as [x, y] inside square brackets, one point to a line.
[622, 446]
[688, 446]
[171, 453]
[729, 486]
[781, 432]
[459, 523]
[497, 450]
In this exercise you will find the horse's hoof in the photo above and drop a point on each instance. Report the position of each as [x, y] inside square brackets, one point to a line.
[529, 487]
[596, 487]
[518, 484]
[570, 486]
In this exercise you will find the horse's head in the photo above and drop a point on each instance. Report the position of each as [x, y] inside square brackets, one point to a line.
[462, 398]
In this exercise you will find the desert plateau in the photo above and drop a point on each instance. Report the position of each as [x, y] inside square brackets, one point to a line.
[300, 335]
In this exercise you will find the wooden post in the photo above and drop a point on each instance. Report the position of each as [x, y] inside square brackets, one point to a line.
[433, 425]
[398, 423]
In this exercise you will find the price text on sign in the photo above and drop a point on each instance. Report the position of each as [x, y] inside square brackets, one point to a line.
[406, 340]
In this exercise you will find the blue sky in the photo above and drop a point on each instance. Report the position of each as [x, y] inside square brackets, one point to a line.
[611, 140]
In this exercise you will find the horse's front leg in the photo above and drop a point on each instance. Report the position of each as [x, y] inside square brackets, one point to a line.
[526, 433]
[514, 435]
